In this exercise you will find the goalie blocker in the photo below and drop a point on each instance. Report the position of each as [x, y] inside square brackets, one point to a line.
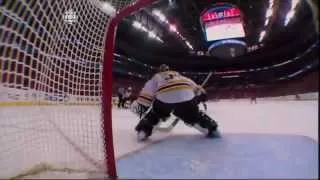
[173, 93]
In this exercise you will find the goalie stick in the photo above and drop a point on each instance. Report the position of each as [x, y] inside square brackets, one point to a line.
[207, 78]
[175, 121]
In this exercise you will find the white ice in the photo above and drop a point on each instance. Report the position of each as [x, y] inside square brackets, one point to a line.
[275, 117]
[32, 135]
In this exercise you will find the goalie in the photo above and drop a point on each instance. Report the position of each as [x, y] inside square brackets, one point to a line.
[169, 92]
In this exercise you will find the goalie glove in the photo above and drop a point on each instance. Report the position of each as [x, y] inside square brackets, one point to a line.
[138, 108]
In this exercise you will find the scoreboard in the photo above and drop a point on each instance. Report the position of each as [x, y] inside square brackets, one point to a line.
[222, 22]
[223, 27]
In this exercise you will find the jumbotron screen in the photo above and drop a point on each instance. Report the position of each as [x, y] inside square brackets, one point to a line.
[222, 22]
[224, 29]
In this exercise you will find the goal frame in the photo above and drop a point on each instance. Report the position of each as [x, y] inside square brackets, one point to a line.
[107, 81]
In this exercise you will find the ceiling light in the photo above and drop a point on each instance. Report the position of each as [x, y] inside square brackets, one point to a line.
[290, 14]
[171, 3]
[108, 8]
[152, 34]
[157, 38]
[262, 34]
[160, 15]
[137, 24]
[189, 45]
[155, 12]
[173, 28]
[162, 18]
[269, 13]
[288, 17]
[144, 29]
[294, 3]
[295, 73]
[270, 3]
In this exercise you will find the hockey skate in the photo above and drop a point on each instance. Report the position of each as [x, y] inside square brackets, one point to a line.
[214, 134]
[142, 136]
[209, 133]
[206, 126]
[211, 126]
[144, 130]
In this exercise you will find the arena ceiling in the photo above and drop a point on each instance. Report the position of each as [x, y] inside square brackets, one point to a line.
[280, 36]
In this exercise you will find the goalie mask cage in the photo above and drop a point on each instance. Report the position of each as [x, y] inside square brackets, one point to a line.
[56, 61]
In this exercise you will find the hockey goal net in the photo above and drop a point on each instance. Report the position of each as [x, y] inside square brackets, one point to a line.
[55, 87]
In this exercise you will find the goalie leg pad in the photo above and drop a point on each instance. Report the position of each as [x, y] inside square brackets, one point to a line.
[206, 125]
[199, 128]
[147, 123]
[144, 126]
[210, 124]
[207, 122]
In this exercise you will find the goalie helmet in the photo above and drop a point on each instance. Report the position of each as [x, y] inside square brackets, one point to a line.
[163, 68]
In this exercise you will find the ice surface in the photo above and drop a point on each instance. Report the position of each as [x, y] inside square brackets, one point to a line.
[29, 135]
[275, 117]
[234, 156]
[271, 139]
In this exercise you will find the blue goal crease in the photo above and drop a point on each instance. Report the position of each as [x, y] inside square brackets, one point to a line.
[234, 155]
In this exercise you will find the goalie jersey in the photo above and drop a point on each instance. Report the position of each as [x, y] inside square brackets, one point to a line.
[146, 94]
[168, 87]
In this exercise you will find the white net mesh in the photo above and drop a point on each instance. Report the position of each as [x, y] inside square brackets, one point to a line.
[51, 54]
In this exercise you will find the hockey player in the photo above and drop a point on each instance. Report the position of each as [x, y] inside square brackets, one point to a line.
[168, 91]
[120, 97]
[127, 97]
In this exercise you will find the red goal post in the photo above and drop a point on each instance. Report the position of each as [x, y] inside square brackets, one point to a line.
[107, 78]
